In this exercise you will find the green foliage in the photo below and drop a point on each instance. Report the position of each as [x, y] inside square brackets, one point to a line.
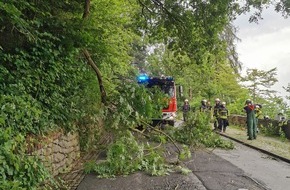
[183, 170]
[287, 89]
[133, 105]
[282, 136]
[44, 93]
[270, 130]
[260, 82]
[197, 131]
[185, 153]
[273, 131]
[91, 131]
[154, 164]
[44, 65]
[187, 28]
[45, 82]
[256, 7]
[22, 114]
[18, 170]
[125, 156]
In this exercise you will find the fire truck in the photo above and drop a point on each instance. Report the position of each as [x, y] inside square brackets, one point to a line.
[167, 86]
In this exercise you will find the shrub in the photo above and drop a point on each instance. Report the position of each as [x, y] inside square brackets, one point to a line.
[18, 170]
[197, 131]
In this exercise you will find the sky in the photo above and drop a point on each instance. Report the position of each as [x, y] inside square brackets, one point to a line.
[266, 45]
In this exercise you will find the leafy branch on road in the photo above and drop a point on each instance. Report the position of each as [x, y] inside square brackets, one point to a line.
[129, 153]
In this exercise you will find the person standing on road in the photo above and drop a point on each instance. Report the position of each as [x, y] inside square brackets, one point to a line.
[216, 113]
[203, 106]
[208, 106]
[282, 124]
[251, 119]
[223, 117]
[258, 115]
[209, 109]
[185, 109]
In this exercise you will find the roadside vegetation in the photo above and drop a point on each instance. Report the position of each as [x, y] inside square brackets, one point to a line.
[72, 66]
[276, 144]
[144, 151]
[198, 132]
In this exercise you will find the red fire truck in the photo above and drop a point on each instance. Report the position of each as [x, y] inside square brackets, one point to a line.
[166, 85]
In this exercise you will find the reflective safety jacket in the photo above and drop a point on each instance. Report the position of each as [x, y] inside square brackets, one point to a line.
[258, 112]
[203, 108]
[223, 113]
[216, 110]
[282, 123]
[186, 108]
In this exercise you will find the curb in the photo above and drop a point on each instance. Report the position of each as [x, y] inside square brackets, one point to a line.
[256, 148]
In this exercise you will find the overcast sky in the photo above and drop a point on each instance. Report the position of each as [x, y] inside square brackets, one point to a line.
[266, 45]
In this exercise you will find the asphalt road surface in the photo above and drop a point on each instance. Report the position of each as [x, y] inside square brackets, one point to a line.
[210, 171]
[272, 173]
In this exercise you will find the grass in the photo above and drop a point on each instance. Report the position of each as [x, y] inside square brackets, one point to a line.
[275, 145]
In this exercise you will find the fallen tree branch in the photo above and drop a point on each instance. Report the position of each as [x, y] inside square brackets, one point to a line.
[99, 76]
[140, 132]
[159, 131]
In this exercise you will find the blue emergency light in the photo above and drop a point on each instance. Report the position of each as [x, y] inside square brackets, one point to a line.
[143, 78]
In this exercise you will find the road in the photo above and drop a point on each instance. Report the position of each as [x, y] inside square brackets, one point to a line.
[209, 172]
[240, 169]
[271, 173]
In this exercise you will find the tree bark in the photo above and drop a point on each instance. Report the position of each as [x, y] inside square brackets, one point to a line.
[90, 60]
[86, 9]
[99, 76]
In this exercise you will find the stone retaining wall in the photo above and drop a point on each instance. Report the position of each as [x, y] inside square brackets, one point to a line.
[239, 120]
[57, 150]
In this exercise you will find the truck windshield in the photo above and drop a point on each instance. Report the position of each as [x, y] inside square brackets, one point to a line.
[167, 89]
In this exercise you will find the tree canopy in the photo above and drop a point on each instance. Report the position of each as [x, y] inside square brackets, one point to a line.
[65, 63]
[260, 82]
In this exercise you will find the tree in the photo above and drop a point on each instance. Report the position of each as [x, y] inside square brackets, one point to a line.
[192, 28]
[45, 82]
[259, 82]
[281, 6]
[229, 36]
[287, 90]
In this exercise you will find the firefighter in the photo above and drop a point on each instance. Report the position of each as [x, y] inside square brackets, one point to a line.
[258, 114]
[209, 109]
[203, 106]
[216, 113]
[279, 116]
[251, 119]
[282, 123]
[223, 117]
[185, 109]
[208, 106]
